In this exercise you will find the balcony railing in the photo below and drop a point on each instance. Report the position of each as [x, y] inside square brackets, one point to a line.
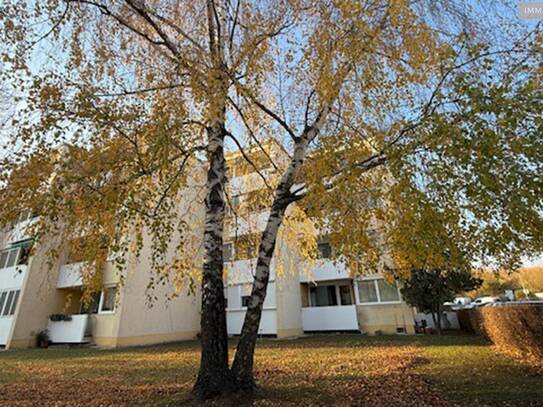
[70, 275]
[332, 318]
[12, 277]
[72, 331]
[268, 323]
[324, 270]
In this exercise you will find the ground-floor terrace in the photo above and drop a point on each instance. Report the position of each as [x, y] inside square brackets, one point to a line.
[317, 370]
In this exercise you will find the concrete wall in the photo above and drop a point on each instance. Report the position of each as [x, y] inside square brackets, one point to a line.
[167, 311]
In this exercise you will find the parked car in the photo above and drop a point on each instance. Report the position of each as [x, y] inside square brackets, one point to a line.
[458, 303]
[484, 301]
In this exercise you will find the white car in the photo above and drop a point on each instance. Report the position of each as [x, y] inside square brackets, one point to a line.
[458, 303]
[483, 301]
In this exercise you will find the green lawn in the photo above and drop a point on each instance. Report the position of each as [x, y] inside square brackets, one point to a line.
[319, 370]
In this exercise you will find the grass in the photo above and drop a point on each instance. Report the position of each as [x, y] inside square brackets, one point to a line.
[319, 370]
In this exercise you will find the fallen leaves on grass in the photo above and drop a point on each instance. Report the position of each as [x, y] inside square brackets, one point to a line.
[297, 373]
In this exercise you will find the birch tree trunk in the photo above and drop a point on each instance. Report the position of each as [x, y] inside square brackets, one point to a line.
[214, 376]
[242, 367]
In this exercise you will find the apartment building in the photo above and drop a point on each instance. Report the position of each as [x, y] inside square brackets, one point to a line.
[325, 298]
[34, 296]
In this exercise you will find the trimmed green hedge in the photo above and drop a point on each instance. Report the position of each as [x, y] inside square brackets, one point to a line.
[516, 329]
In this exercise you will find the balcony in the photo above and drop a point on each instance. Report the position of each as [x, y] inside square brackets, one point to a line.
[330, 318]
[73, 331]
[12, 277]
[256, 222]
[21, 230]
[268, 323]
[70, 275]
[324, 270]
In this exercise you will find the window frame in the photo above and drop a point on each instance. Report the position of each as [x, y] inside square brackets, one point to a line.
[8, 303]
[238, 292]
[320, 254]
[14, 251]
[3, 298]
[102, 299]
[4, 255]
[378, 292]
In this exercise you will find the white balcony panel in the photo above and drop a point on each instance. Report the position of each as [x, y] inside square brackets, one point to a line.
[324, 270]
[12, 277]
[70, 275]
[241, 271]
[268, 323]
[253, 224]
[21, 230]
[333, 318]
[68, 331]
[5, 329]
[247, 183]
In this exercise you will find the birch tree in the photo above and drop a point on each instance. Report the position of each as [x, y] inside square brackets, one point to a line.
[150, 81]
[401, 109]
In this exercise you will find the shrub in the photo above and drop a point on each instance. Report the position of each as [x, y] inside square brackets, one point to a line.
[516, 329]
[42, 338]
[60, 317]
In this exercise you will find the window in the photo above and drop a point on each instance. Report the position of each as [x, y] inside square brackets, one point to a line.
[3, 258]
[325, 251]
[109, 297]
[12, 257]
[3, 296]
[24, 255]
[14, 303]
[18, 254]
[345, 295]
[92, 307]
[8, 302]
[388, 292]
[367, 291]
[377, 290]
[245, 300]
[323, 296]
[227, 251]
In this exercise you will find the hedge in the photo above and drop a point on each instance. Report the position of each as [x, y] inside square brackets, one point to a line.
[516, 329]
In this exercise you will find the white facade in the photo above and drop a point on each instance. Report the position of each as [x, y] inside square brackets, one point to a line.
[11, 283]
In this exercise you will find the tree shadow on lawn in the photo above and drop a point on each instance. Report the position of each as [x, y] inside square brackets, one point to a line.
[394, 383]
[375, 376]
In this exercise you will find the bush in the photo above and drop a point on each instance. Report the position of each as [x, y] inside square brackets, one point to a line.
[42, 338]
[516, 329]
[60, 317]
